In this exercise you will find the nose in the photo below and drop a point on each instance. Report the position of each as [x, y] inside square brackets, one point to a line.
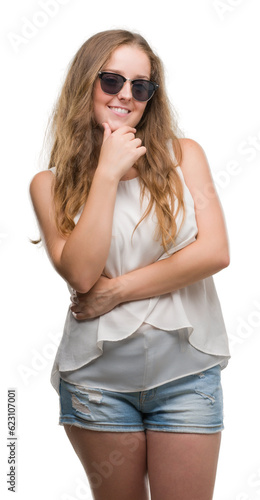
[126, 91]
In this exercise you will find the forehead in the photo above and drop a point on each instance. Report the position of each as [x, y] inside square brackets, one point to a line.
[129, 59]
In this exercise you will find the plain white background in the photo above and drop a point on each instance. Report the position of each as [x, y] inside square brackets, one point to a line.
[210, 50]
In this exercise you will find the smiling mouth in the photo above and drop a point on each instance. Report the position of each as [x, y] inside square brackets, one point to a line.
[121, 111]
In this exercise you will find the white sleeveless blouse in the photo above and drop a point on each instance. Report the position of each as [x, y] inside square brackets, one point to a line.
[144, 343]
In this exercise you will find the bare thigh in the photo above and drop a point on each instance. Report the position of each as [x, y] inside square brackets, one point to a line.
[182, 466]
[115, 462]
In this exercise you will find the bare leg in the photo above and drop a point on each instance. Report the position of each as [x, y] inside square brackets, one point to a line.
[182, 466]
[115, 462]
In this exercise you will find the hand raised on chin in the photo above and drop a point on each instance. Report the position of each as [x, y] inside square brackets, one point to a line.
[120, 150]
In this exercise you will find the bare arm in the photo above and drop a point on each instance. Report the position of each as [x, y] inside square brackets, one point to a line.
[202, 258]
[81, 257]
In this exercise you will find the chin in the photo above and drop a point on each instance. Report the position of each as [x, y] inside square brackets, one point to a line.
[115, 125]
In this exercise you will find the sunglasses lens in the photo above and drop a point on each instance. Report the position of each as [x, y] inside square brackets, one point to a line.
[111, 84]
[142, 90]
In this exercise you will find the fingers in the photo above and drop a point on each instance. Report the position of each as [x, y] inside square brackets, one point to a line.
[120, 150]
[127, 131]
[124, 130]
[78, 316]
[77, 305]
[141, 151]
[107, 131]
[76, 313]
[137, 142]
[120, 131]
[81, 314]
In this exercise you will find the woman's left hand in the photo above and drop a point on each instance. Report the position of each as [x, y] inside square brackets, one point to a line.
[100, 299]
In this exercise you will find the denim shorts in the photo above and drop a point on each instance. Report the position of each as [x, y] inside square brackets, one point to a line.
[192, 404]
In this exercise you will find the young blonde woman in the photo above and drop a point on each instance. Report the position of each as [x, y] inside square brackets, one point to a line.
[130, 219]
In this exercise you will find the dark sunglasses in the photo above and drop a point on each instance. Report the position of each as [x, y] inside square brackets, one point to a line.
[112, 83]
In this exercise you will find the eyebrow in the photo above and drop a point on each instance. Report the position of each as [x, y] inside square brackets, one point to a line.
[143, 77]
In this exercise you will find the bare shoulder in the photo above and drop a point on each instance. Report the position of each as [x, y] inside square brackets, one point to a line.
[40, 180]
[41, 193]
[187, 142]
[194, 163]
[192, 152]
[42, 200]
[41, 187]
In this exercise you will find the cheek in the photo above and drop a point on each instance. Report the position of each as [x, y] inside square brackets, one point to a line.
[142, 108]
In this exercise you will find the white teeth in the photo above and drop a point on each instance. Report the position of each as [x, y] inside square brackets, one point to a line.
[120, 110]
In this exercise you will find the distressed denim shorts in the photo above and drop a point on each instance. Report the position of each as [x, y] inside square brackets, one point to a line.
[192, 404]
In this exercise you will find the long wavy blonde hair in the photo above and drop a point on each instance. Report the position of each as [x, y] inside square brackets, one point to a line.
[77, 138]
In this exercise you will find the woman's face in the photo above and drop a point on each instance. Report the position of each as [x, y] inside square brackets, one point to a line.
[122, 109]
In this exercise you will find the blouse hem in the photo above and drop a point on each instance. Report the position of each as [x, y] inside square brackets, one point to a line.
[222, 363]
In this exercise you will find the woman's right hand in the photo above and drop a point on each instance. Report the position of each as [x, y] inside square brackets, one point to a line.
[120, 150]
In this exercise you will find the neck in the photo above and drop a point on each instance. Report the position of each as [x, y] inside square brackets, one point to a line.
[131, 174]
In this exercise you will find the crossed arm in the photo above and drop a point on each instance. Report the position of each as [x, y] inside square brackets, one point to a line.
[202, 258]
[81, 264]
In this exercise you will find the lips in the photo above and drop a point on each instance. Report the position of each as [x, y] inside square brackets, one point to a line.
[119, 111]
